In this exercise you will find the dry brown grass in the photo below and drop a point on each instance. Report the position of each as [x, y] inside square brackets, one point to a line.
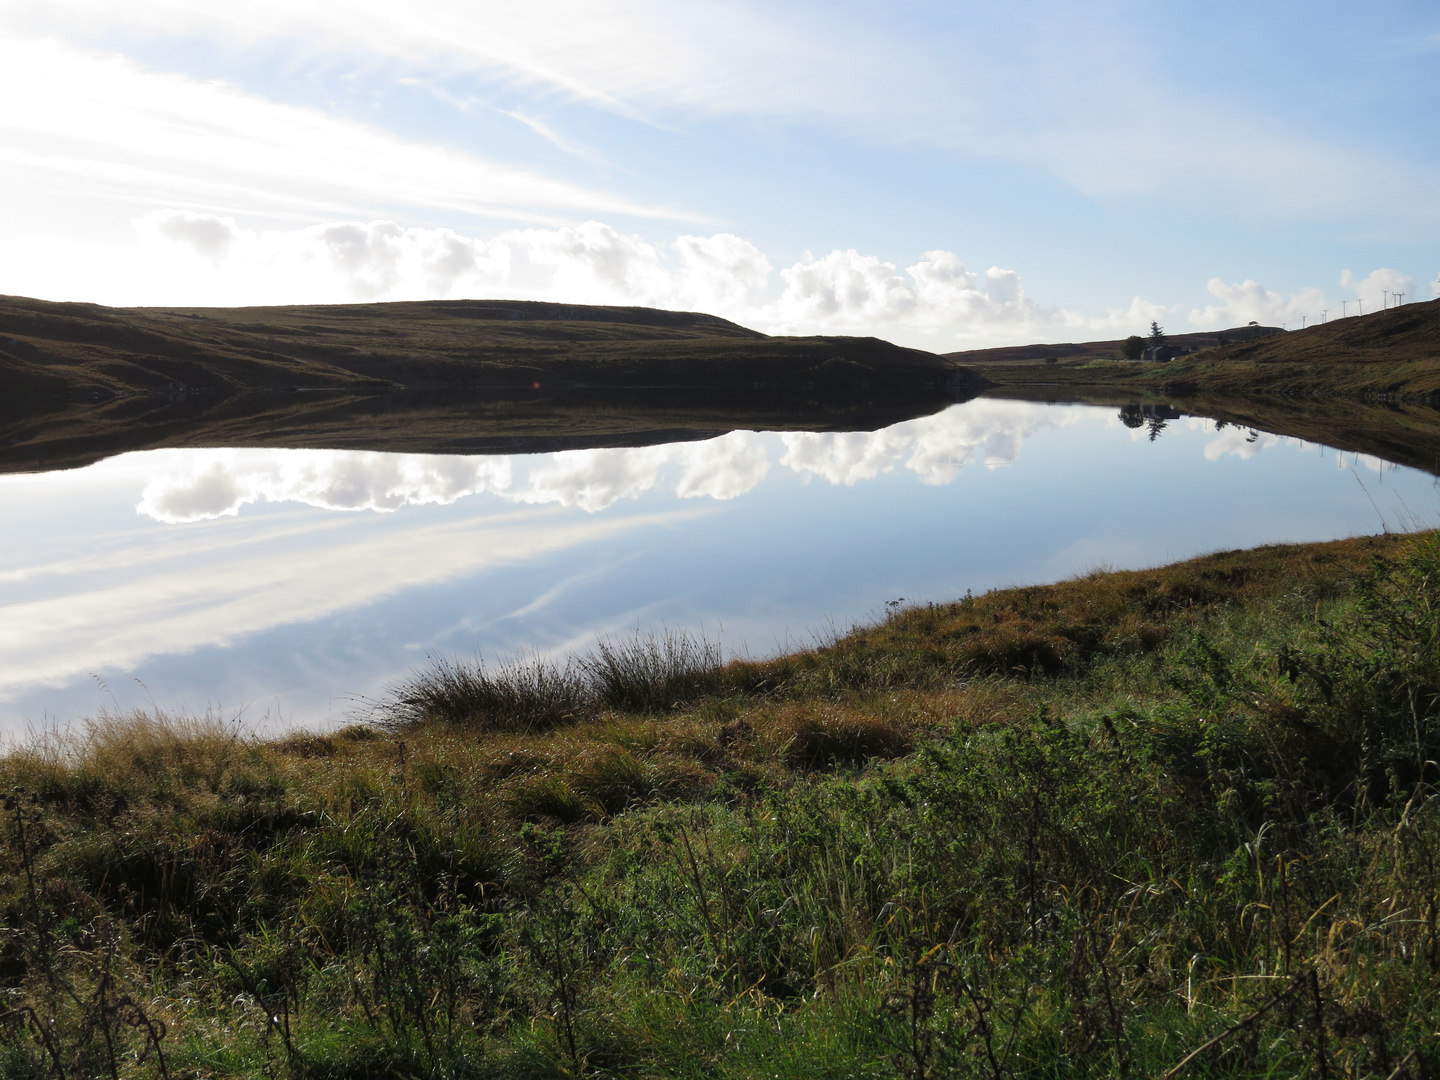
[871, 694]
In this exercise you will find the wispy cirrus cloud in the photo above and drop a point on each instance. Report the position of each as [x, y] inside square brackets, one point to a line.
[101, 126]
[1068, 91]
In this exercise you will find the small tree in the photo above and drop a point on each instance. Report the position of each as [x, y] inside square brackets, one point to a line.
[1157, 334]
[1133, 347]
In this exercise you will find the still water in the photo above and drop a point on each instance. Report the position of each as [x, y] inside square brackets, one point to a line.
[288, 585]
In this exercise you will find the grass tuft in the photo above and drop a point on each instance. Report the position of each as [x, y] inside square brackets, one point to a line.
[525, 694]
[654, 673]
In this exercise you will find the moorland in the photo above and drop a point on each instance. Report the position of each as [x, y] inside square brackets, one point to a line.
[1176, 822]
[79, 382]
[1386, 356]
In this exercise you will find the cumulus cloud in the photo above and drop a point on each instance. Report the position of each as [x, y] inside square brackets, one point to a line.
[847, 291]
[934, 303]
[212, 259]
[191, 257]
[1244, 301]
[1372, 289]
[1249, 301]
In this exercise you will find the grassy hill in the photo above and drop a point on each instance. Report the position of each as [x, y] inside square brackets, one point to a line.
[89, 351]
[1385, 356]
[79, 382]
[1079, 352]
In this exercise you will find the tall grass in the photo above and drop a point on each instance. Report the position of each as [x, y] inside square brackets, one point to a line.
[1207, 852]
[640, 673]
[525, 694]
[653, 673]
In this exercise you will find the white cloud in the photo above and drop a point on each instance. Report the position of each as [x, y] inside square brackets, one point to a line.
[1244, 301]
[1249, 301]
[1240, 443]
[217, 483]
[1372, 289]
[187, 257]
[193, 258]
[98, 126]
[202, 485]
[1057, 87]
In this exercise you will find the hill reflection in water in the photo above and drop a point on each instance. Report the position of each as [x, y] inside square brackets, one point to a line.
[193, 485]
[291, 581]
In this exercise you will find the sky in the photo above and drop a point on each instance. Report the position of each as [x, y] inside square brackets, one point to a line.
[945, 175]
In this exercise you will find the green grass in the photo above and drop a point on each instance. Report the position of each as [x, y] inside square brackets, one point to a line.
[1177, 822]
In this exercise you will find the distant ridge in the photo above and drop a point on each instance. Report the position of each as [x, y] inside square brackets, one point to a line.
[79, 382]
[544, 311]
[1391, 355]
[1108, 350]
[89, 351]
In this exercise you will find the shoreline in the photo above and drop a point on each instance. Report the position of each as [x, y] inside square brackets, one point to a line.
[737, 864]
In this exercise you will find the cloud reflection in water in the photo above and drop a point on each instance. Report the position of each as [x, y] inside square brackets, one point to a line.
[218, 483]
[545, 549]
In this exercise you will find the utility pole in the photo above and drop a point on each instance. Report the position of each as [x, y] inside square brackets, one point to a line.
[1302, 321]
[1324, 314]
[1343, 305]
[1399, 298]
[1385, 299]
[1362, 306]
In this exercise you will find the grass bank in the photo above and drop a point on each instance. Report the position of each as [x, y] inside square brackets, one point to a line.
[1168, 823]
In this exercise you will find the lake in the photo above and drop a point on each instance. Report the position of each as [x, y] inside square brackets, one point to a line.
[289, 586]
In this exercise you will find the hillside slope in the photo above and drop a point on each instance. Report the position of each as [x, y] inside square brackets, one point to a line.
[1104, 350]
[1388, 354]
[89, 351]
[1385, 356]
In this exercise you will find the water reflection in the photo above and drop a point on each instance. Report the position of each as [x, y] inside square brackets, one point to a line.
[293, 578]
[203, 485]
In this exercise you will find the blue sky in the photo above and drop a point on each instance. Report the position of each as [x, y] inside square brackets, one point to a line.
[946, 175]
